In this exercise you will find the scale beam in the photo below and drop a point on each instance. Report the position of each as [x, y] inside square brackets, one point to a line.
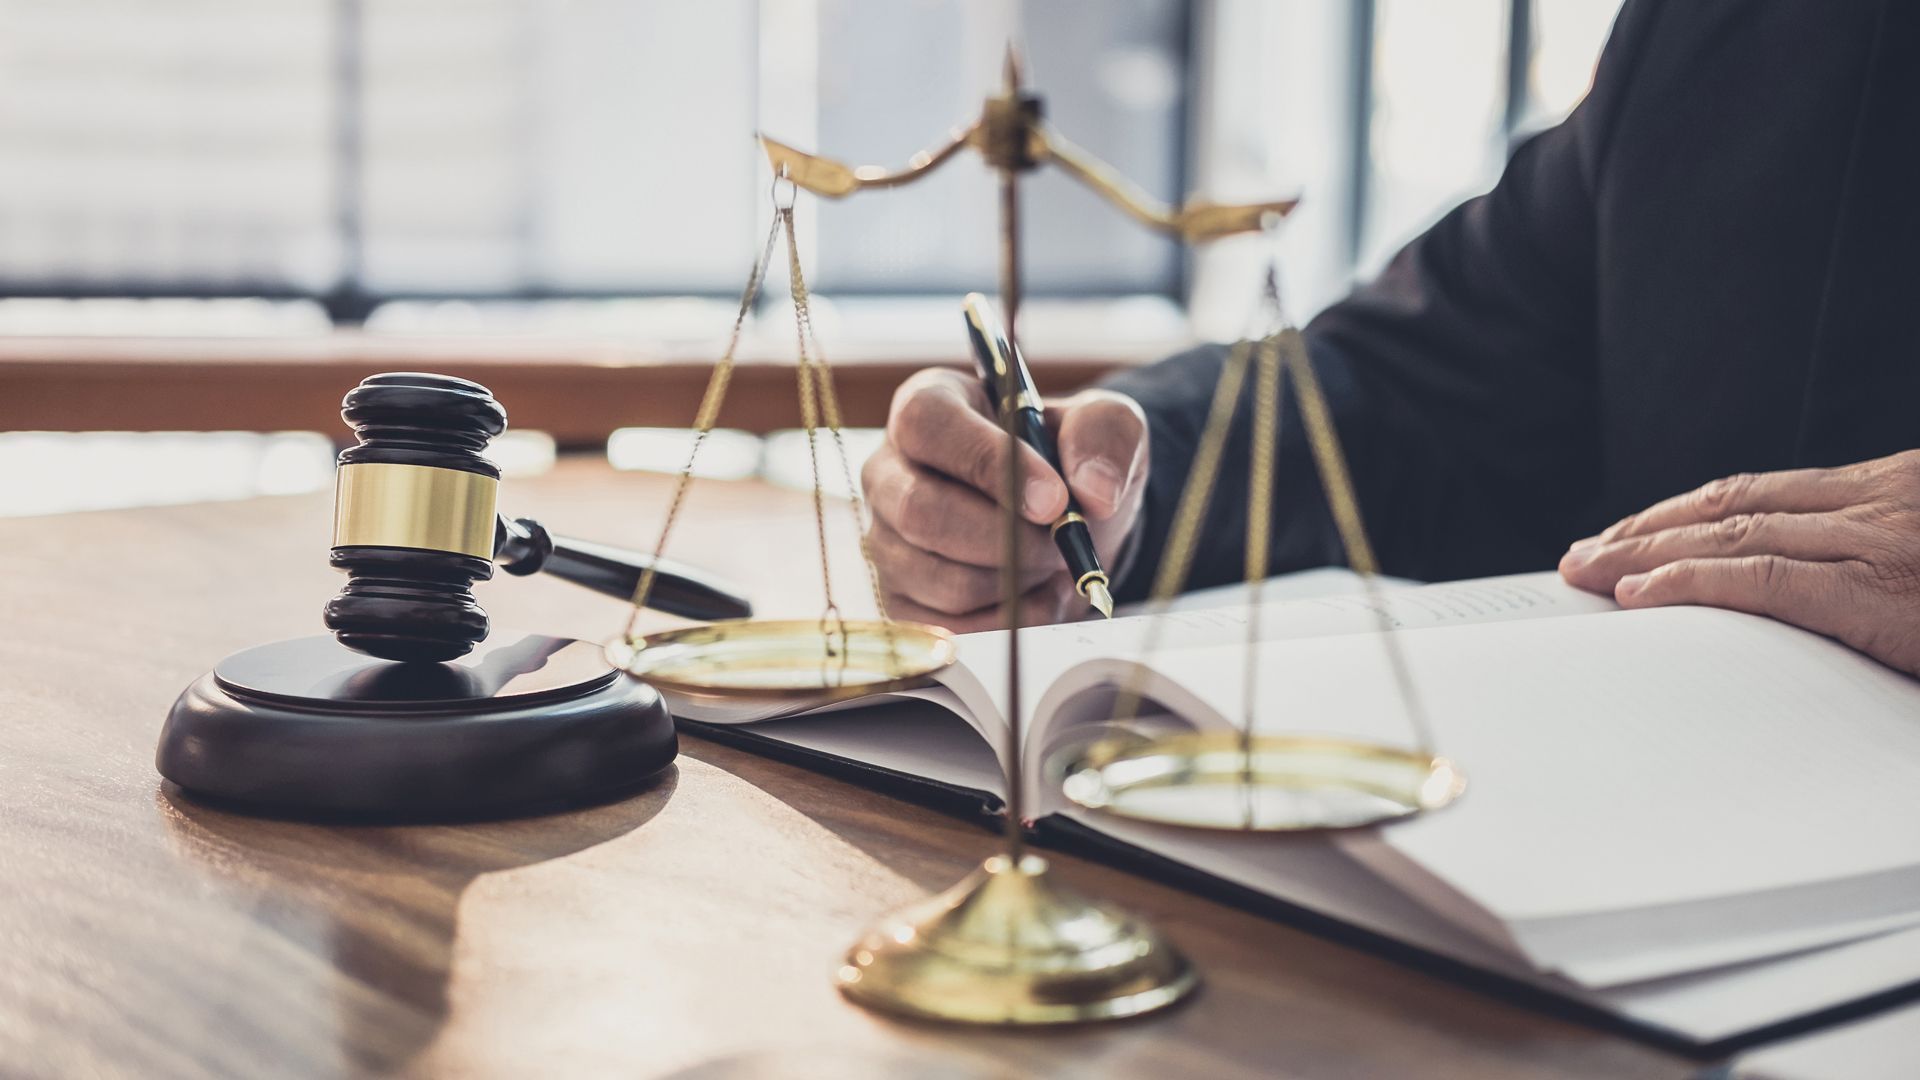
[1010, 135]
[833, 180]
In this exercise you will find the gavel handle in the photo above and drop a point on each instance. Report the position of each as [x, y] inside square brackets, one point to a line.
[523, 546]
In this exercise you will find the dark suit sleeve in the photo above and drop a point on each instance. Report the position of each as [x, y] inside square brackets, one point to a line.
[1462, 384]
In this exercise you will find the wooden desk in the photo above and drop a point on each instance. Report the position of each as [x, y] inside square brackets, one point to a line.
[689, 930]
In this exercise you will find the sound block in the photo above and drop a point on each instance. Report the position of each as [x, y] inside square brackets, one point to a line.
[309, 727]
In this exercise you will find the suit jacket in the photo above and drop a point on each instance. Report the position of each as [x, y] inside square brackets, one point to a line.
[1712, 266]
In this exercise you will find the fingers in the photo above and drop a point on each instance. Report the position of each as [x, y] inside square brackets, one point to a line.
[1814, 595]
[940, 421]
[1053, 600]
[942, 516]
[936, 583]
[1829, 550]
[934, 486]
[1796, 491]
[1103, 450]
[1599, 566]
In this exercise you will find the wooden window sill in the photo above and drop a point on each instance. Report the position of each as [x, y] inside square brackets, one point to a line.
[578, 391]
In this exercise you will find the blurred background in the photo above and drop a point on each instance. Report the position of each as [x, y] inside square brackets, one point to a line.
[216, 215]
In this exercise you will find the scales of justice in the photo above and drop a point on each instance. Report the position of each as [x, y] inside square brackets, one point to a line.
[1011, 944]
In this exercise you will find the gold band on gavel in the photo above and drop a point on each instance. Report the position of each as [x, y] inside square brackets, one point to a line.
[415, 506]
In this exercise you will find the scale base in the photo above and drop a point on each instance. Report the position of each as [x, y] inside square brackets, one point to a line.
[1011, 945]
[310, 728]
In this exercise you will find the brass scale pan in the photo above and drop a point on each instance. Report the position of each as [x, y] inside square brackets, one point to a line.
[1211, 780]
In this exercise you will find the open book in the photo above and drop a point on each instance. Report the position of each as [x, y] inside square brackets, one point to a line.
[1703, 821]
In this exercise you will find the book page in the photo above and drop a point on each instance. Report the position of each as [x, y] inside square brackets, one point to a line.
[1727, 1002]
[1299, 585]
[1696, 775]
[1049, 651]
[1683, 752]
[975, 688]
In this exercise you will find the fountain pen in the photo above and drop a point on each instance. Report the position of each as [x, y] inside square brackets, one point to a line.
[1010, 387]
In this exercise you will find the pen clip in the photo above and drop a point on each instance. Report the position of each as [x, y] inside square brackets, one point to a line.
[1005, 376]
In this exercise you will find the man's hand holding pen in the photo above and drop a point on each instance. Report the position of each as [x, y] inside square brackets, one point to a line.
[935, 492]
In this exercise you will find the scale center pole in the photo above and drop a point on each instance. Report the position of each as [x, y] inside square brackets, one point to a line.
[1009, 126]
[1010, 516]
[1011, 944]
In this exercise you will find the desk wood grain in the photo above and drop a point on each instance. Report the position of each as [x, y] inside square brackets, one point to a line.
[687, 931]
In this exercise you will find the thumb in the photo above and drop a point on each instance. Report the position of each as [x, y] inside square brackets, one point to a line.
[1103, 443]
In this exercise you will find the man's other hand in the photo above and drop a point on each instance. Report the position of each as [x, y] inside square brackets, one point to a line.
[935, 490]
[1836, 551]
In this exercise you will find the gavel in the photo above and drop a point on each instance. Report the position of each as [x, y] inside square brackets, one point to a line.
[416, 524]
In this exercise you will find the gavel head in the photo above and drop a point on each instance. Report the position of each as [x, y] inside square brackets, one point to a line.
[414, 513]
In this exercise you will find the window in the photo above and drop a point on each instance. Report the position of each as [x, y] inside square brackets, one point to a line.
[1384, 114]
[1435, 129]
[582, 170]
[180, 146]
[894, 78]
[352, 152]
[1453, 86]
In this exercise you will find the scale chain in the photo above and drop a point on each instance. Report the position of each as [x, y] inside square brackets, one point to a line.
[1188, 513]
[1267, 389]
[709, 414]
[830, 619]
[1281, 357]
[830, 412]
[820, 404]
[1338, 481]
